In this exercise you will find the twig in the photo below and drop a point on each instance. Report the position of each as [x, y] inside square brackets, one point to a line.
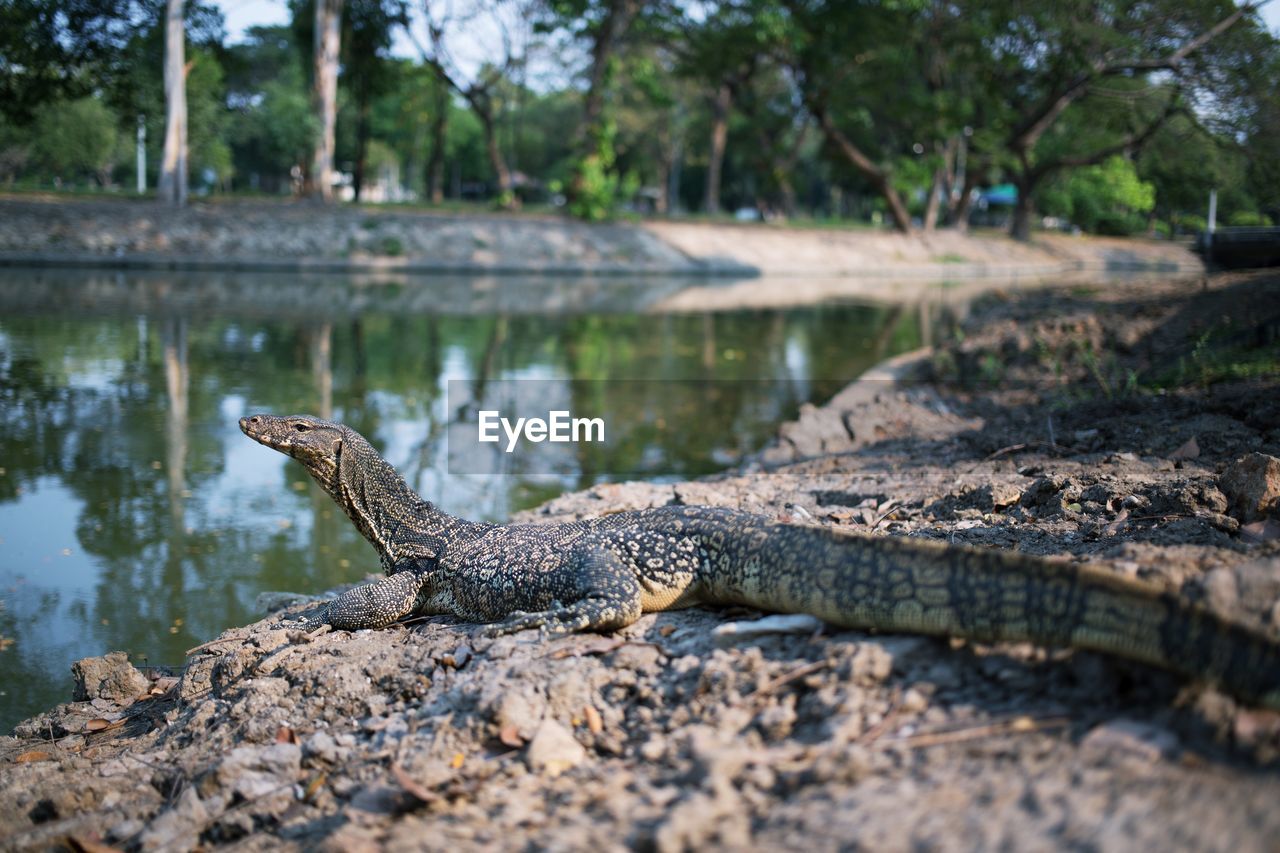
[205, 646]
[783, 680]
[892, 508]
[1017, 725]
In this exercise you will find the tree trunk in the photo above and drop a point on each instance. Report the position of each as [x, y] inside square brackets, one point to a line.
[328, 36]
[720, 107]
[362, 143]
[877, 176]
[958, 212]
[439, 130]
[619, 15]
[501, 174]
[935, 199]
[617, 21]
[173, 165]
[1020, 228]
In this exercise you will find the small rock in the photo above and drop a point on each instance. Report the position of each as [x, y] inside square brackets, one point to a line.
[654, 748]
[520, 711]
[1252, 485]
[321, 747]
[177, 828]
[1004, 495]
[1131, 737]
[554, 750]
[379, 799]
[108, 677]
[871, 664]
[913, 701]
[269, 641]
[457, 658]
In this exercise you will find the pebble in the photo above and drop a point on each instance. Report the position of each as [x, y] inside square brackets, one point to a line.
[1132, 737]
[553, 750]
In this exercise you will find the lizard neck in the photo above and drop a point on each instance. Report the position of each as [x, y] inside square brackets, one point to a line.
[397, 522]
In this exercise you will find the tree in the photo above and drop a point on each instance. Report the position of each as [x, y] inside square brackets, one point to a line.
[273, 126]
[1052, 56]
[172, 187]
[55, 49]
[72, 139]
[368, 73]
[722, 49]
[603, 25]
[326, 46]
[504, 23]
[1108, 198]
[842, 55]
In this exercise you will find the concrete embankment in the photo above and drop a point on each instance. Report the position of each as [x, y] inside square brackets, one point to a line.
[292, 237]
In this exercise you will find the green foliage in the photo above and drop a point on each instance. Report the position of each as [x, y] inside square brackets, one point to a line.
[596, 185]
[76, 139]
[902, 81]
[1249, 218]
[1106, 199]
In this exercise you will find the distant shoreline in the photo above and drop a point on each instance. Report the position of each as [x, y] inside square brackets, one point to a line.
[263, 236]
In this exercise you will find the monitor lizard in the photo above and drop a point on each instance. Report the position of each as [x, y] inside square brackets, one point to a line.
[601, 574]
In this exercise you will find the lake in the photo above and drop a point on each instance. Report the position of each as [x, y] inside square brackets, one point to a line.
[135, 516]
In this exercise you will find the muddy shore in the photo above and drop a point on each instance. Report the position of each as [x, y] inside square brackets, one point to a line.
[1123, 425]
[265, 236]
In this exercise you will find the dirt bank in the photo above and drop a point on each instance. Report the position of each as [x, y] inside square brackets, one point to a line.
[288, 236]
[1101, 424]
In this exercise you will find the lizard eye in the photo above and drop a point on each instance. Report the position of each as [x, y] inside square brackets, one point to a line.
[301, 427]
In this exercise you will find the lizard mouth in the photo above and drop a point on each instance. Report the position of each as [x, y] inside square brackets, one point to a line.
[255, 426]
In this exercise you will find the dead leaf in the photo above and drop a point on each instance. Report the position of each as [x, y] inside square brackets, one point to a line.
[666, 630]
[411, 786]
[510, 736]
[458, 759]
[97, 725]
[163, 685]
[32, 755]
[286, 735]
[594, 722]
[1189, 450]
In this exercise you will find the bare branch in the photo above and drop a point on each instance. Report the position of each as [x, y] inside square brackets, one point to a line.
[1173, 60]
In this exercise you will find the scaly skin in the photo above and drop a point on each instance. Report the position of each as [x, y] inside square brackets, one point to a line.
[601, 574]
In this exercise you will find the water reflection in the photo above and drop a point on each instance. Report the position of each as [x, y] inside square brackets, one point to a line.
[133, 514]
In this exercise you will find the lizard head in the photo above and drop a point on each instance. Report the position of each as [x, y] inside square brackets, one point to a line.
[315, 443]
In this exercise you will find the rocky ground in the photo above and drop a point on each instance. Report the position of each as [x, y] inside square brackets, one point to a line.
[281, 235]
[1136, 427]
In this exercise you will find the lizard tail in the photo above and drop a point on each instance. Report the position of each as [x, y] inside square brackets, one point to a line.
[917, 586]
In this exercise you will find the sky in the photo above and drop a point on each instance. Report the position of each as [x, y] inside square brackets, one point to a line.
[242, 14]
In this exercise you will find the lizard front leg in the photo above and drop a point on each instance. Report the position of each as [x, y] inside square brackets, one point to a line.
[377, 604]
